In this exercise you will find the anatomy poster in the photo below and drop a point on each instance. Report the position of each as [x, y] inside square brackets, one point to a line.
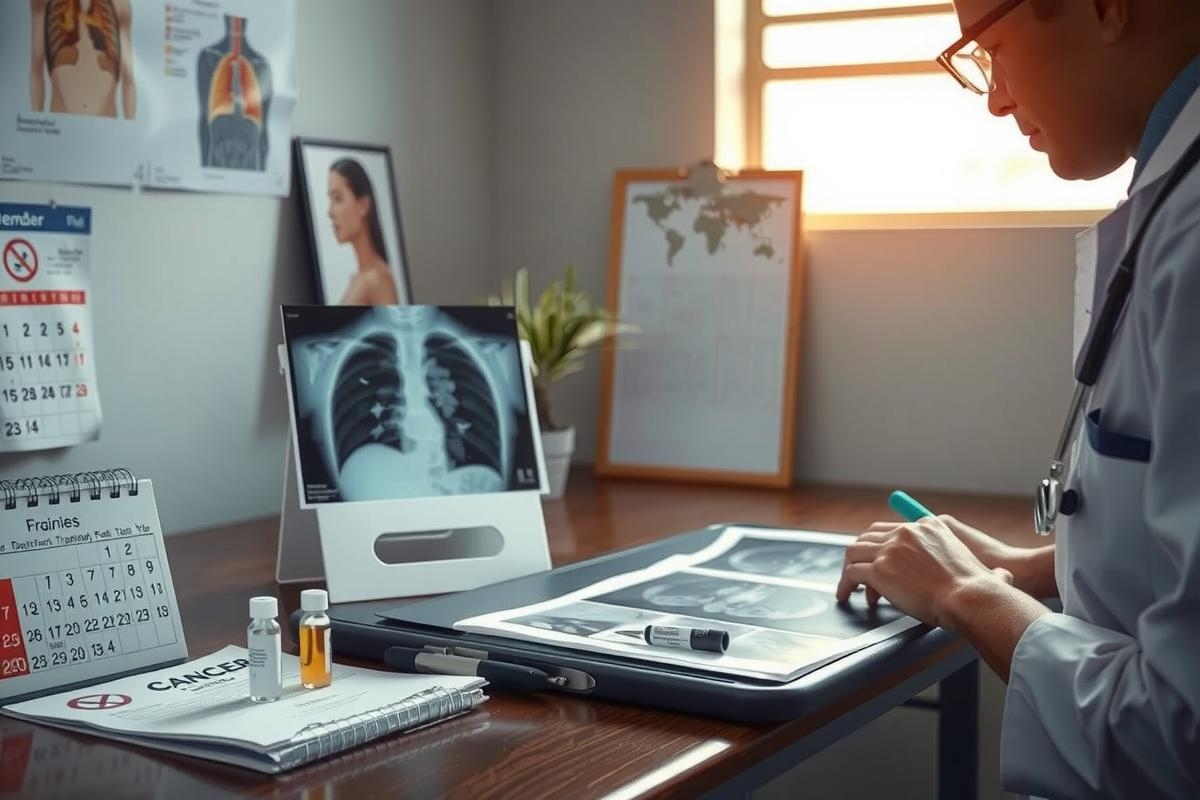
[395, 402]
[183, 94]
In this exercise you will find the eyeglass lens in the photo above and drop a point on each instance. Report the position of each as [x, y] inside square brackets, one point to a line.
[974, 65]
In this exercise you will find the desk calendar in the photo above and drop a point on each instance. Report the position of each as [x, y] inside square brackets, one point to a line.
[48, 394]
[85, 589]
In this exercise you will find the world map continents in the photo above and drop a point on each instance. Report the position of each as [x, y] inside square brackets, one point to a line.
[713, 214]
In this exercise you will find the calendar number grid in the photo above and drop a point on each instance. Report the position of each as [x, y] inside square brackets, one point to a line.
[113, 601]
[47, 380]
[85, 587]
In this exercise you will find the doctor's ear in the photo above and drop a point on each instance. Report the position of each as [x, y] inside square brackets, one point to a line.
[1112, 19]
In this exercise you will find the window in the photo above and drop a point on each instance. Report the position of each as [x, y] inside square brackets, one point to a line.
[849, 92]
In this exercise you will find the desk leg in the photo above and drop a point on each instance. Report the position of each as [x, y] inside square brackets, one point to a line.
[958, 734]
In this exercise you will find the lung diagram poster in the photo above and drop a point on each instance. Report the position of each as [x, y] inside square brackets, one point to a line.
[185, 94]
[229, 77]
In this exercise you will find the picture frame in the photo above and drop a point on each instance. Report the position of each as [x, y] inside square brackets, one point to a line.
[351, 215]
[710, 267]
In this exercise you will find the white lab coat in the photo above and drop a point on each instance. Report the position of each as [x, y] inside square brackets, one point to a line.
[1104, 698]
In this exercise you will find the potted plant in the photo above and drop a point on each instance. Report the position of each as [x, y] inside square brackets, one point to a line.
[560, 328]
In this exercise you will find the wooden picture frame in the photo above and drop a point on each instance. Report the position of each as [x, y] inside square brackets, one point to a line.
[674, 425]
[352, 218]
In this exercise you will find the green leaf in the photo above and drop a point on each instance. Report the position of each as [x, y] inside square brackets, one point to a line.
[521, 291]
[562, 370]
[561, 326]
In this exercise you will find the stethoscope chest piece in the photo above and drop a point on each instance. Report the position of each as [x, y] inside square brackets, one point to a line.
[1051, 502]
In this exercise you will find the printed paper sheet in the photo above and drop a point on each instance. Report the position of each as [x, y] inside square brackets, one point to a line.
[772, 590]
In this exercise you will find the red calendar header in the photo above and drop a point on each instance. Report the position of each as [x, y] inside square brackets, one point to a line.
[43, 298]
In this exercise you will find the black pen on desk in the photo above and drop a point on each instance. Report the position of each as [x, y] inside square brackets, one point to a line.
[513, 677]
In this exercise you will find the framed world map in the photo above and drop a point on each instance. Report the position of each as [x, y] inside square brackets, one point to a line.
[709, 266]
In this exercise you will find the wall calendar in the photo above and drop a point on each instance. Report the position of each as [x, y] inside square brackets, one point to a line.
[48, 395]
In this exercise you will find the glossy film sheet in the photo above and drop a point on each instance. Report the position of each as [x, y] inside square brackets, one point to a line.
[771, 590]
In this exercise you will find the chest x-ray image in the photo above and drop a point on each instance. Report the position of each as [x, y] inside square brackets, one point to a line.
[408, 401]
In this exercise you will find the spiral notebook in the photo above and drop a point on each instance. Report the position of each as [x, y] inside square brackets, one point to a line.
[202, 709]
[85, 588]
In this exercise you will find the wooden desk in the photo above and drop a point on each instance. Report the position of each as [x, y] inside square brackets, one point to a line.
[547, 746]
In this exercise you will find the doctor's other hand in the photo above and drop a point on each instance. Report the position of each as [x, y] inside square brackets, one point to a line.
[917, 566]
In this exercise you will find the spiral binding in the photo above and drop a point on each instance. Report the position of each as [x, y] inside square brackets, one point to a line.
[69, 486]
[324, 739]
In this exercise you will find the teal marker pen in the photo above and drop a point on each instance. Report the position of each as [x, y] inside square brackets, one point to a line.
[904, 505]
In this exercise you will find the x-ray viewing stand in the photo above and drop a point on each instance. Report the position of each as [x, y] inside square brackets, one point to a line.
[400, 548]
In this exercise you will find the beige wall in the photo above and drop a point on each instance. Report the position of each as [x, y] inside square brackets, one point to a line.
[935, 358]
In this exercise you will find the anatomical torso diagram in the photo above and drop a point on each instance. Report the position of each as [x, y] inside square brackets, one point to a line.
[234, 84]
[85, 47]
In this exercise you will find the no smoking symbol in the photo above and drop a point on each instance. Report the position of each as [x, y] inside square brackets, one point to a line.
[99, 702]
[20, 260]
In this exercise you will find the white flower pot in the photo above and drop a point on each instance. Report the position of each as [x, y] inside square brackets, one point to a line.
[557, 447]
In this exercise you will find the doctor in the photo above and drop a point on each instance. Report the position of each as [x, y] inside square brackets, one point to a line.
[1103, 698]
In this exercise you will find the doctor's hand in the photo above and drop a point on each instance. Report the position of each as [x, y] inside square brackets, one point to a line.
[988, 549]
[917, 566]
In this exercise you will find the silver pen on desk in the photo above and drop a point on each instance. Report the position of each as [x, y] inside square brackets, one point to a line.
[514, 677]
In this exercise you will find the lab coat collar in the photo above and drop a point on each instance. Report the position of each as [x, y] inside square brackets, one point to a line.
[1180, 135]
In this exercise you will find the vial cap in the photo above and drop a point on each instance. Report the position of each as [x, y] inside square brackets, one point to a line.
[264, 607]
[314, 600]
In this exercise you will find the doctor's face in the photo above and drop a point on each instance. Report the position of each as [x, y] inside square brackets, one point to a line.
[1051, 69]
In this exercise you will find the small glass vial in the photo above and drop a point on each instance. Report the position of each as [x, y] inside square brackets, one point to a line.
[316, 655]
[265, 645]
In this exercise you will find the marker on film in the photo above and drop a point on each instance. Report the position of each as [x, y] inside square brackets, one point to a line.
[904, 505]
[708, 640]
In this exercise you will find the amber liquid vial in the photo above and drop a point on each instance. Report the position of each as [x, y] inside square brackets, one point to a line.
[316, 662]
[316, 654]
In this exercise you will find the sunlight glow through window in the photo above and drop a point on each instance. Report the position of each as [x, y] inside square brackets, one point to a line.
[826, 43]
[911, 143]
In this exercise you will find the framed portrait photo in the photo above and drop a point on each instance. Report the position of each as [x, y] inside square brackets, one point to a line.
[348, 198]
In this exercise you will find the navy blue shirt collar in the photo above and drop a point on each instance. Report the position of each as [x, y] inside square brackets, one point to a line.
[1164, 113]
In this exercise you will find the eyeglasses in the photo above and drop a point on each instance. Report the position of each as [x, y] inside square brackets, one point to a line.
[966, 61]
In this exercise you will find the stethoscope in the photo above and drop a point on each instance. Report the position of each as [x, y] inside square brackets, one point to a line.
[1050, 500]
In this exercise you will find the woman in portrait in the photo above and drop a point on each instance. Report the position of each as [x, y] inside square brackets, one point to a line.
[355, 217]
